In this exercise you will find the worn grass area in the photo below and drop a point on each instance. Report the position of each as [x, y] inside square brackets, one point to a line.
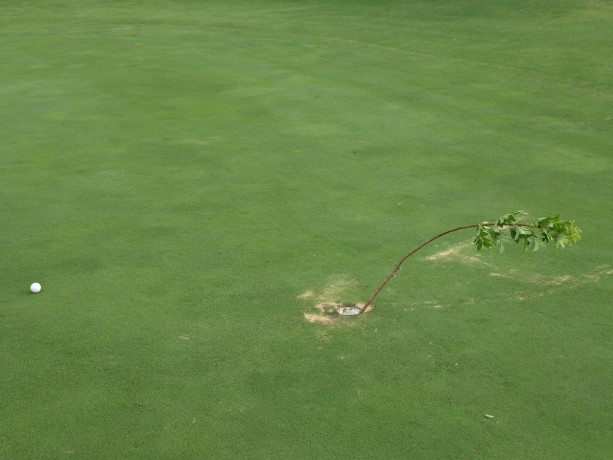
[188, 179]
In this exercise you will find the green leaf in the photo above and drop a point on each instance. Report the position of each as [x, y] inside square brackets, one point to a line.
[507, 219]
[561, 242]
[514, 234]
[524, 230]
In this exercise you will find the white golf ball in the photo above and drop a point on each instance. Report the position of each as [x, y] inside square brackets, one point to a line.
[35, 288]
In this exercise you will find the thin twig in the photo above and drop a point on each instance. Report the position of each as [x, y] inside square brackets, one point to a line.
[399, 264]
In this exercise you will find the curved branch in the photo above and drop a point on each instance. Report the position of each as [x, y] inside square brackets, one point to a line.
[425, 243]
[399, 264]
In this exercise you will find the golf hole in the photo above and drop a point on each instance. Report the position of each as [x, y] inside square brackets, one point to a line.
[331, 312]
[348, 310]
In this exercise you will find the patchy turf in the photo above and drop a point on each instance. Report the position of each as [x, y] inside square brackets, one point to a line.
[187, 179]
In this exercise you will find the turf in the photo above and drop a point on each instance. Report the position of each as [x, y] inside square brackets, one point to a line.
[186, 179]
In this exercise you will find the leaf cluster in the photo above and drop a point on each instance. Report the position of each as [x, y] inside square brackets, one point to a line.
[531, 235]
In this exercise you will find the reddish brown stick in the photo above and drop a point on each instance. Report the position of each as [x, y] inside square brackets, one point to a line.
[399, 264]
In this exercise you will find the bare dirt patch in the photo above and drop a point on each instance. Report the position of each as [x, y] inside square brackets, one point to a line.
[453, 251]
[329, 300]
[433, 304]
[522, 287]
[462, 252]
[306, 295]
[545, 285]
[559, 281]
[327, 312]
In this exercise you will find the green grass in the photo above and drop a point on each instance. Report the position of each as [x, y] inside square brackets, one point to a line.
[176, 174]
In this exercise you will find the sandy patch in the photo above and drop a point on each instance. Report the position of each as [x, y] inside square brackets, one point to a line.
[433, 304]
[327, 313]
[526, 286]
[329, 300]
[306, 295]
[451, 252]
[316, 318]
[568, 281]
[463, 252]
[548, 285]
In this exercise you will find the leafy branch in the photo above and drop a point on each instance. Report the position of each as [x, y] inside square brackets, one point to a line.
[507, 229]
[533, 235]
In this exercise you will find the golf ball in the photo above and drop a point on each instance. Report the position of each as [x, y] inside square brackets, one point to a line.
[35, 288]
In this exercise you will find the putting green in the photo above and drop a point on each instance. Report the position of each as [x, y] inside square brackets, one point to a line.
[188, 179]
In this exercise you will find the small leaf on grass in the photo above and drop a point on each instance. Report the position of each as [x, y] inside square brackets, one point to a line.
[489, 416]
